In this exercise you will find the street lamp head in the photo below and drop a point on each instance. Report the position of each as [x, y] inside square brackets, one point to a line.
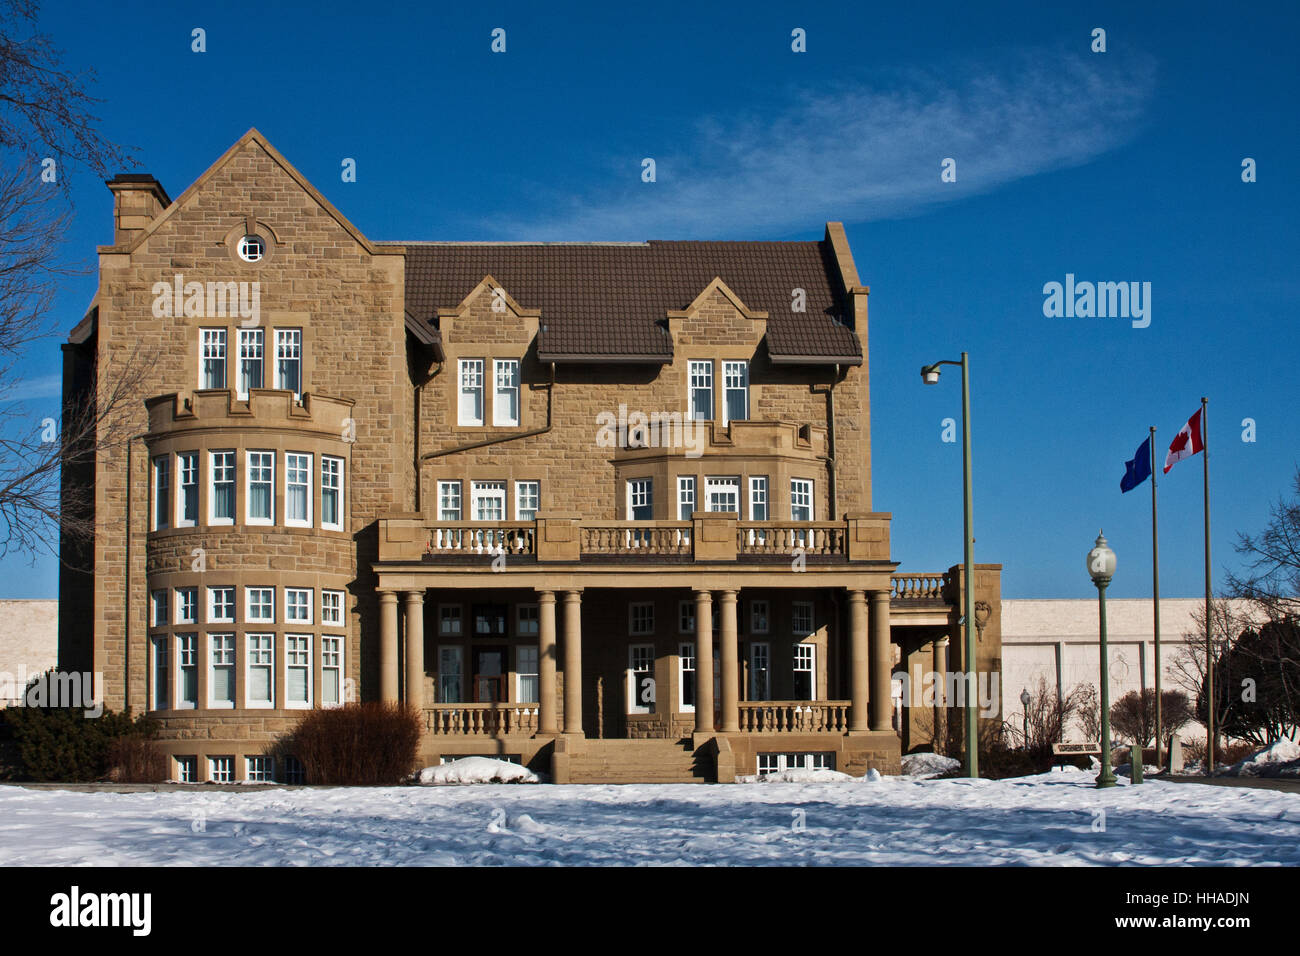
[930, 374]
[1024, 698]
[1101, 562]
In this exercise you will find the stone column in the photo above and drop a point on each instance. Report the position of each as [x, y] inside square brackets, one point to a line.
[546, 723]
[941, 683]
[573, 662]
[881, 662]
[414, 601]
[388, 677]
[727, 654]
[860, 693]
[704, 662]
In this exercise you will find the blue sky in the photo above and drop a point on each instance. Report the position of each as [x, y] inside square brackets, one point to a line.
[1115, 166]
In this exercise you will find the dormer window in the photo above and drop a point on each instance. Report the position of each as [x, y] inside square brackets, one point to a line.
[251, 248]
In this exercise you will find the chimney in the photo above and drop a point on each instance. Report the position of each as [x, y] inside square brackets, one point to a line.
[137, 199]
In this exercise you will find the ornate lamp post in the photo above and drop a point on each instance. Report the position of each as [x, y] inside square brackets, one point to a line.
[930, 375]
[1024, 710]
[1101, 566]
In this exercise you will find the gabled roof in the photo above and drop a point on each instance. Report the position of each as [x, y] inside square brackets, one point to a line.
[611, 300]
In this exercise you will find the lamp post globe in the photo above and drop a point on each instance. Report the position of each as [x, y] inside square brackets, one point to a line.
[1101, 567]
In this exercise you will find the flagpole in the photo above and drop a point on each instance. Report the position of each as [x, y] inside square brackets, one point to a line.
[1209, 621]
[1155, 589]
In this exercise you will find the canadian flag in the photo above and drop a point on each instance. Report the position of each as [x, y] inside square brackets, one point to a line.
[1189, 441]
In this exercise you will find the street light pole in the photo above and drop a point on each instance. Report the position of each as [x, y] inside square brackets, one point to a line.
[1101, 566]
[930, 375]
[1025, 701]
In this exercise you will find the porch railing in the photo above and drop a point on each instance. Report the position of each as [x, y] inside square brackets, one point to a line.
[794, 716]
[637, 537]
[482, 537]
[774, 538]
[918, 587]
[480, 720]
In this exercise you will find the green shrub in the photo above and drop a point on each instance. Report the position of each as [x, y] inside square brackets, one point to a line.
[62, 744]
[361, 744]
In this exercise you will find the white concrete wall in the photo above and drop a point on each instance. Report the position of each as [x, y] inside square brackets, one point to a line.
[29, 643]
[1058, 639]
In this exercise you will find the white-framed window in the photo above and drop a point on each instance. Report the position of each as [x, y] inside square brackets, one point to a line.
[735, 383]
[331, 608]
[488, 500]
[297, 670]
[331, 493]
[260, 493]
[528, 496]
[187, 769]
[449, 620]
[259, 605]
[471, 392]
[801, 499]
[805, 672]
[186, 606]
[221, 769]
[259, 769]
[158, 698]
[685, 617]
[686, 676]
[641, 618]
[526, 673]
[449, 509]
[212, 358]
[221, 670]
[760, 671]
[297, 489]
[252, 345]
[505, 402]
[640, 499]
[801, 618]
[187, 489]
[449, 501]
[451, 666]
[162, 505]
[781, 762]
[722, 494]
[758, 498]
[221, 605]
[187, 671]
[288, 360]
[158, 608]
[260, 676]
[699, 399]
[759, 615]
[331, 670]
[527, 622]
[221, 493]
[297, 605]
[640, 678]
[685, 497]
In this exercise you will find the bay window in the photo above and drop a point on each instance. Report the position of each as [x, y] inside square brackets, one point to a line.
[297, 489]
[260, 493]
[297, 670]
[331, 671]
[331, 493]
[261, 670]
[221, 492]
[221, 674]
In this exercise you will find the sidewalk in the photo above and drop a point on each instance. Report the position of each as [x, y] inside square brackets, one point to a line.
[1285, 784]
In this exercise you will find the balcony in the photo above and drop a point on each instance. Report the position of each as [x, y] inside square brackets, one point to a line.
[707, 537]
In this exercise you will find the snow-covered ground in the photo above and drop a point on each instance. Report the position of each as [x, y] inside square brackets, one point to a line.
[1055, 819]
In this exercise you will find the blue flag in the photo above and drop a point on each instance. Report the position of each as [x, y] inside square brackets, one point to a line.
[1139, 469]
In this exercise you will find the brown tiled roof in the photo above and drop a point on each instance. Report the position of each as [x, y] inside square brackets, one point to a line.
[610, 300]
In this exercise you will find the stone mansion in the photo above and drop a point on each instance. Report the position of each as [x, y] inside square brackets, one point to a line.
[604, 509]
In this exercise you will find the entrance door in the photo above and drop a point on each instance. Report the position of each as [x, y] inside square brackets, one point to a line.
[490, 675]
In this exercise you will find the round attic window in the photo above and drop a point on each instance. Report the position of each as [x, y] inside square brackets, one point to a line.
[252, 248]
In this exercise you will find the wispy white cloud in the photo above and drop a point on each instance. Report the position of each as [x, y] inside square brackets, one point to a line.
[34, 389]
[861, 153]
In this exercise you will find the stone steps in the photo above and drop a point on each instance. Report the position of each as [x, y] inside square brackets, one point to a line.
[636, 761]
